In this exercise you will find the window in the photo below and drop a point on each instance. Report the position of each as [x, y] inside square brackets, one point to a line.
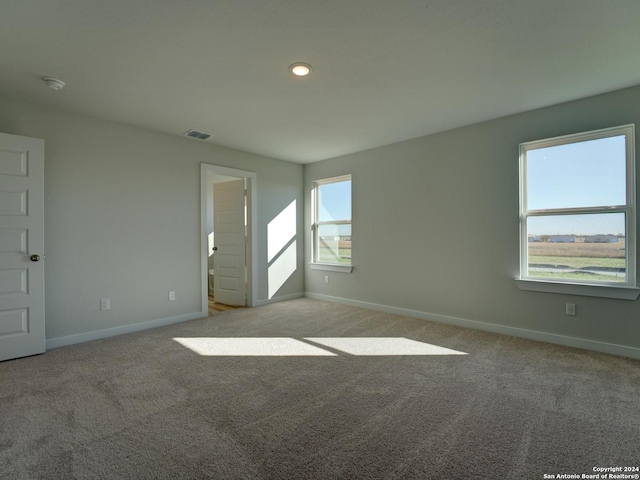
[331, 203]
[577, 209]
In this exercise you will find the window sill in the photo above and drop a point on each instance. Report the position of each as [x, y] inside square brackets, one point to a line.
[329, 267]
[604, 291]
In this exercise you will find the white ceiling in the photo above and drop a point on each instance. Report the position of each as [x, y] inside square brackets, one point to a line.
[384, 70]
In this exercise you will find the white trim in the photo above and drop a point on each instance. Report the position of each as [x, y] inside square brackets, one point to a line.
[330, 267]
[578, 137]
[593, 345]
[252, 237]
[629, 210]
[291, 296]
[315, 185]
[341, 178]
[603, 291]
[630, 240]
[112, 332]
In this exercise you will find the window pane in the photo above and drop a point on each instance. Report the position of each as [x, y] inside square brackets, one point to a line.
[334, 201]
[587, 248]
[334, 244]
[583, 174]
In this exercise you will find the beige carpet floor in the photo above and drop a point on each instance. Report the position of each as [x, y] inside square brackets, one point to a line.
[144, 406]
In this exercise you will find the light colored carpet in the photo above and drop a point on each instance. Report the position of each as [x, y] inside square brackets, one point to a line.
[143, 406]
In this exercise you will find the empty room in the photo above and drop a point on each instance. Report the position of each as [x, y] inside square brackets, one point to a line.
[294, 239]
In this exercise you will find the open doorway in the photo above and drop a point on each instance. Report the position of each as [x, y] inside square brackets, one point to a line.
[228, 216]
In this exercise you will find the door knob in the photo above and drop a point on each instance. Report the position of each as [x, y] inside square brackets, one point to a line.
[35, 258]
[214, 249]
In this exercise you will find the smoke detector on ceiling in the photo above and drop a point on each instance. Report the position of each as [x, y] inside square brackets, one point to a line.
[54, 83]
[196, 134]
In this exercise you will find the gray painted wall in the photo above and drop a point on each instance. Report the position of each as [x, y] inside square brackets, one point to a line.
[435, 225]
[435, 221]
[122, 217]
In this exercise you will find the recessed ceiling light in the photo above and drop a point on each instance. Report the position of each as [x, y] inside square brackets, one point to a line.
[54, 83]
[300, 69]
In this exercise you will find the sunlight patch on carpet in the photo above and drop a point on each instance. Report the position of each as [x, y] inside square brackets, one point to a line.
[383, 346]
[252, 347]
[290, 347]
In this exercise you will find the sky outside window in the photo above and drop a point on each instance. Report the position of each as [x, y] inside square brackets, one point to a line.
[583, 174]
[334, 201]
[580, 225]
[334, 204]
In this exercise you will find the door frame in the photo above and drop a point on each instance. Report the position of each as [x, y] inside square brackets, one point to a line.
[252, 220]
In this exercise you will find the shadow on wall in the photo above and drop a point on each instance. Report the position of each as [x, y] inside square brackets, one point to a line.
[281, 248]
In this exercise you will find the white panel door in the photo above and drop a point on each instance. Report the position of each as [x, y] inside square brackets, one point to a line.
[21, 246]
[229, 259]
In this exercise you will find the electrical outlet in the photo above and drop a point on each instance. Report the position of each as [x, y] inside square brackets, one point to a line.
[105, 304]
[172, 296]
[570, 309]
[326, 279]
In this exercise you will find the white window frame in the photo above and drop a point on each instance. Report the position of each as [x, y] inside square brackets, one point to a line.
[626, 290]
[315, 223]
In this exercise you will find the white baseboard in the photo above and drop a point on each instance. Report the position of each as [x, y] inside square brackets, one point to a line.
[283, 298]
[603, 347]
[112, 332]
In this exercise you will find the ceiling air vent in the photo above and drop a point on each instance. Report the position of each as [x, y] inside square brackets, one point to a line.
[196, 134]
